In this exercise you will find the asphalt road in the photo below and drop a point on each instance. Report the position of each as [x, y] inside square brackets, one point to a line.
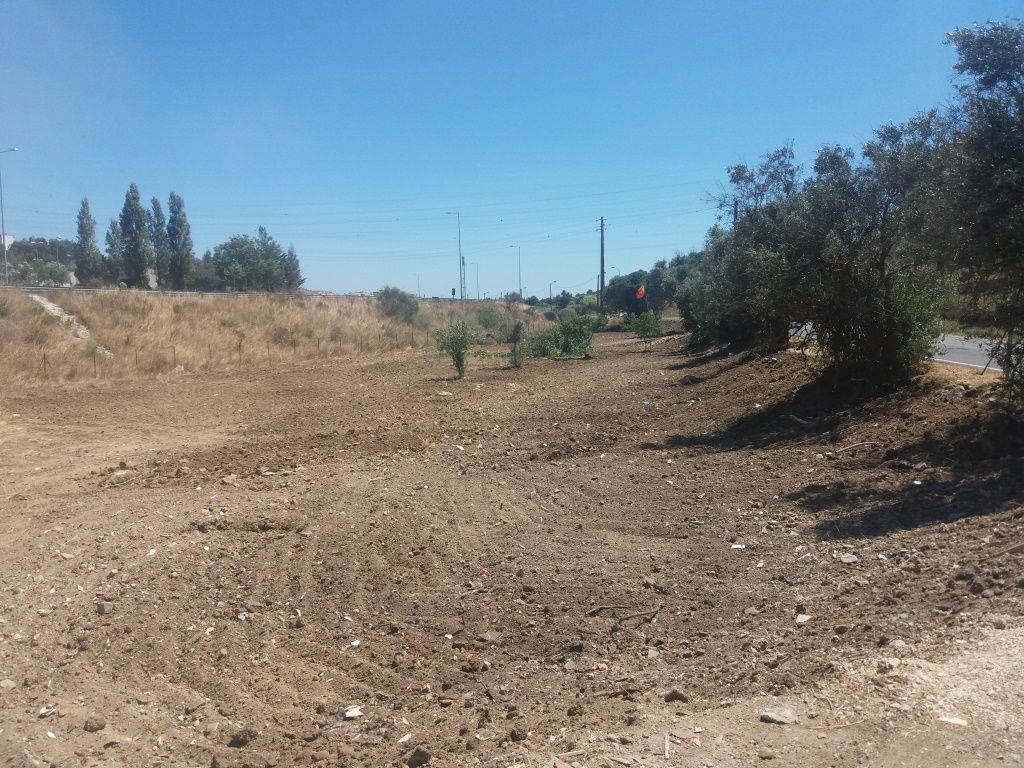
[960, 350]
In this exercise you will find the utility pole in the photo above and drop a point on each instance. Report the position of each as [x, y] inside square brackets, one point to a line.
[462, 260]
[3, 225]
[600, 287]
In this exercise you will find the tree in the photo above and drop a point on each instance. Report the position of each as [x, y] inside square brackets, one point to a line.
[160, 243]
[267, 274]
[290, 270]
[396, 303]
[234, 261]
[138, 255]
[88, 260]
[113, 263]
[179, 241]
[986, 178]
[873, 283]
[247, 263]
[620, 293]
[202, 276]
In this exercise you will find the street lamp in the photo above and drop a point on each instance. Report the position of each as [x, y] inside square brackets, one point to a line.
[551, 295]
[462, 261]
[3, 226]
[520, 248]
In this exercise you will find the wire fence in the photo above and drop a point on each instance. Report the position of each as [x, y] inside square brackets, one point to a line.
[99, 361]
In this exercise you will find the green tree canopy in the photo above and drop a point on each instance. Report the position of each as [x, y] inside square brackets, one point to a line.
[136, 249]
[179, 240]
[160, 243]
[88, 260]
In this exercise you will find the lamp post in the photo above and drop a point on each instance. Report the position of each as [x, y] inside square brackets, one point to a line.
[550, 294]
[462, 261]
[520, 249]
[3, 225]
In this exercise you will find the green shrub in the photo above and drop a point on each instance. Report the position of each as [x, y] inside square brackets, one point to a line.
[398, 304]
[577, 335]
[598, 323]
[455, 340]
[516, 338]
[550, 315]
[544, 343]
[489, 316]
[570, 338]
[565, 314]
[646, 326]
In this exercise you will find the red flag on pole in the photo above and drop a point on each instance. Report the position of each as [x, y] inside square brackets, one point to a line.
[640, 293]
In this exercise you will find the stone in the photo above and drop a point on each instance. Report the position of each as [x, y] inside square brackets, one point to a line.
[779, 716]
[8, 684]
[676, 695]
[104, 607]
[94, 723]
[765, 754]
[419, 757]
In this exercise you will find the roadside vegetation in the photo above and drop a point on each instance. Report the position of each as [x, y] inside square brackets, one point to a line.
[152, 334]
[867, 250]
[146, 249]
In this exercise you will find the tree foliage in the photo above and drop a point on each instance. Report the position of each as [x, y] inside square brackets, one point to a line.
[88, 259]
[246, 263]
[113, 262]
[396, 303]
[179, 240]
[137, 254]
[985, 178]
[160, 243]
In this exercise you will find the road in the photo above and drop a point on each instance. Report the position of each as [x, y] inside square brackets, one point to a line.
[961, 350]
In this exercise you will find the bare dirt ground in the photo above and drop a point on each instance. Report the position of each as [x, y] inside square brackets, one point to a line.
[621, 561]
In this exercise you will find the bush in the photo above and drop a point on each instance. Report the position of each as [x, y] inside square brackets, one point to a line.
[550, 315]
[398, 304]
[489, 316]
[598, 323]
[516, 337]
[455, 340]
[570, 338]
[565, 314]
[647, 326]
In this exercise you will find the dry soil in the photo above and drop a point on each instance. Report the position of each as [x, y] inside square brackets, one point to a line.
[620, 561]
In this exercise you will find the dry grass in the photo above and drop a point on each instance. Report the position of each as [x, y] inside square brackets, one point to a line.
[152, 334]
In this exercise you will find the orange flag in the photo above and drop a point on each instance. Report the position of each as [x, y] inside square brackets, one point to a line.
[640, 293]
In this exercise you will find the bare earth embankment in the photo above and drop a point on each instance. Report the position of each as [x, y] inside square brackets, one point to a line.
[623, 561]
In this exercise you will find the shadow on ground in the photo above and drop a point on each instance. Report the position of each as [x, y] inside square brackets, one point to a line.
[813, 409]
[974, 467]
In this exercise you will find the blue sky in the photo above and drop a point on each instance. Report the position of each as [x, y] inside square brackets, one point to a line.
[349, 129]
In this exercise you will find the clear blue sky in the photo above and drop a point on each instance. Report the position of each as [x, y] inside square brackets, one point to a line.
[348, 129]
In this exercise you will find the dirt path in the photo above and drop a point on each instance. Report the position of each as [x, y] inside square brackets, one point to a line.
[503, 569]
[75, 329]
